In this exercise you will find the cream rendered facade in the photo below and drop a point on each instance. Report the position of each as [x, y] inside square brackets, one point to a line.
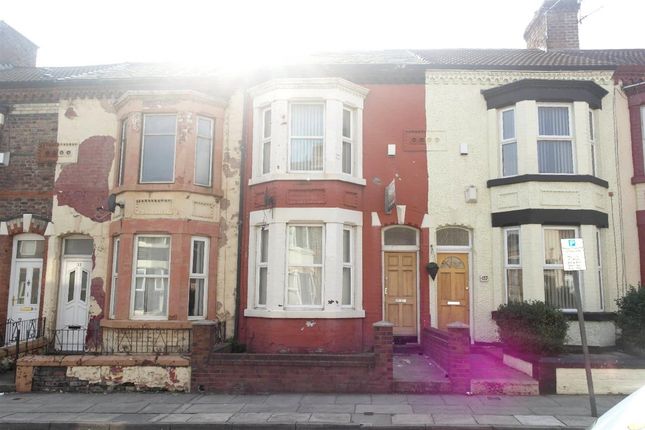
[463, 134]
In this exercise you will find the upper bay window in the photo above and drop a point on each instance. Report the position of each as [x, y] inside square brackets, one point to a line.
[158, 148]
[509, 143]
[204, 152]
[308, 129]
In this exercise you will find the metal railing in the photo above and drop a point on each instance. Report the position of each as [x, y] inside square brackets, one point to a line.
[108, 340]
[22, 334]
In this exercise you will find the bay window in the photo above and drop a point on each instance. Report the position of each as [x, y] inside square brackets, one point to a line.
[198, 278]
[115, 275]
[558, 284]
[348, 146]
[158, 149]
[555, 149]
[513, 265]
[302, 269]
[306, 136]
[266, 141]
[592, 143]
[151, 276]
[509, 143]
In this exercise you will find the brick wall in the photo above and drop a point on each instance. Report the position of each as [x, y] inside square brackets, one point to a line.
[554, 26]
[26, 184]
[256, 373]
[451, 350]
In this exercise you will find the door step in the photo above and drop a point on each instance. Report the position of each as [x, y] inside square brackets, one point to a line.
[408, 348]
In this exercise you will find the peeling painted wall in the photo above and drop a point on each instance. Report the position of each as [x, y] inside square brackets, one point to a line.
[141, 377]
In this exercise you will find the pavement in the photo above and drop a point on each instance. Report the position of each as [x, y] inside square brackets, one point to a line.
[166, 411]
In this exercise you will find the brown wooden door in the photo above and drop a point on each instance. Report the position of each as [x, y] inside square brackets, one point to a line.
[401, 292]
[452, 289]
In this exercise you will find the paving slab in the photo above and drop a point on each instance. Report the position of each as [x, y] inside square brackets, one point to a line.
[175, 418]
[539, 420]
[250, 417]
[561, 410]
[576, 421]
[330, 418]
[214, 398]
[378, 420]
[446, 409]
[209, 408]
[118, 407]
[496, 420]
[210, 418]
[318, 399]
[453, 419]
[500, 410]
[283, 399]
[161, 408]
[339, 409]
[289, 418]
[388, 399]
[353, 398]
[385, 409]
[261, 407]
[412, 419]
[134, 418]
[425, 399]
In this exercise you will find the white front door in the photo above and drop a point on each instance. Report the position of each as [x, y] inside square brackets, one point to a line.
[24, 294]
[74, 294]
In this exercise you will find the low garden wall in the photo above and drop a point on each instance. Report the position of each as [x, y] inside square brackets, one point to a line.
[451, 350]
[87, 373]
[216, 371]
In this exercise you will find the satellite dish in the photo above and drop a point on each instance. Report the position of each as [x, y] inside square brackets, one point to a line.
[112, 203]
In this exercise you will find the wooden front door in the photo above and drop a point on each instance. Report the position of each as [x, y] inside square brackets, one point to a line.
[400, 292]
[452, 289]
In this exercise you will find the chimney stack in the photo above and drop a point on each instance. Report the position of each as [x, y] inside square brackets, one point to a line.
[554, 26]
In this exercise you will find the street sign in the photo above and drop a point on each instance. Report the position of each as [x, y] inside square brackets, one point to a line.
[573, 254]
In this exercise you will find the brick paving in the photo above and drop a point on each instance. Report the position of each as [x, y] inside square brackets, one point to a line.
[293, 411]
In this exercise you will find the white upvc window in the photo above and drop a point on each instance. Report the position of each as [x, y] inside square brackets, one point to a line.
[555, 140]
[348, 266]
[198, 278]
[262, 274]
[558, 284]
[151, 276]
[158, 148]
[306, 137]
[204, 152]
[305, 265]
[266, 141]
[599, 269]
[348, 141]
[592, 144]
[115, 275]
[513, 264]
[122, 148]
[508, 142]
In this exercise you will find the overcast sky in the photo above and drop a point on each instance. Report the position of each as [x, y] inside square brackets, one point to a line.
[80, 32]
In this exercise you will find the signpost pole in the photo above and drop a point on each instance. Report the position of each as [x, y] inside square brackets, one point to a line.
[573, 259]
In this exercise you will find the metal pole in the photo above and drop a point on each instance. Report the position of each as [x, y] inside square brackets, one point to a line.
[585, 349]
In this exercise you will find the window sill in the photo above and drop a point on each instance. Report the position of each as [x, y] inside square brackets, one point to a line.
[546, 177]
[265, 313]
[312, 176]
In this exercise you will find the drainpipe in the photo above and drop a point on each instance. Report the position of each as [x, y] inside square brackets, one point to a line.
[240, 218]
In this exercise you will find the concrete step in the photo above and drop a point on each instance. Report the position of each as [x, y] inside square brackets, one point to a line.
[507, 387]
[422, 387]
[408, 348]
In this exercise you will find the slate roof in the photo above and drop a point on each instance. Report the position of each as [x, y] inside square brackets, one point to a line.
[530, 59]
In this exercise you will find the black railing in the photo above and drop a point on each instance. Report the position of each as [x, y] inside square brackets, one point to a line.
[108, 340]
[22, 334]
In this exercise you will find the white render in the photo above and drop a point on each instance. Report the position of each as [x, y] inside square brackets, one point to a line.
[457, 115]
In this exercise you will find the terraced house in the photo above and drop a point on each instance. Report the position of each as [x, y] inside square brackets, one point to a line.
[152, 208]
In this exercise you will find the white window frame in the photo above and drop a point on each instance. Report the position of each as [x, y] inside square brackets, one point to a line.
[348, 265]
[116, 250]
[261, 264]
[134, 278]
[592, 142]
[569, 137]
[504, 142]
[143, 142]
[291, 137]
[546, 266]
[320, 265]
[265, 139]
[203, 276]
[349, 140]
[211, 140]
[509, 266]
[333, 221]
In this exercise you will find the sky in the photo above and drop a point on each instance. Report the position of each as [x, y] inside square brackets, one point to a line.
[83, 32]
